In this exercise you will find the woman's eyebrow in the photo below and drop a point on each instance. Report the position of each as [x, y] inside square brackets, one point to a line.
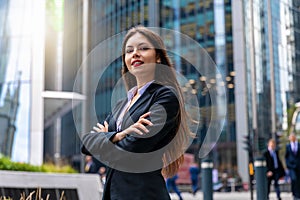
[142, 43]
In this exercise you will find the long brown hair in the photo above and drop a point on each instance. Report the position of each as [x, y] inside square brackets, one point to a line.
[176, 151]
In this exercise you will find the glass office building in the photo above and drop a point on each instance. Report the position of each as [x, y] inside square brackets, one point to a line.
[267, 71]
[275, 62]
[4, 42]
[21, 42]
[37, 76]
[208, 23]
[293, 43]
[63, 58]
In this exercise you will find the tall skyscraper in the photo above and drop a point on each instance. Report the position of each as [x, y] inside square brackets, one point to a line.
[265, 60]
[4, 41]
[63, 58]
[21, 72]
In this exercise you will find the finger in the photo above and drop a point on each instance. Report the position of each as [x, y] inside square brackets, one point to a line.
[100, 125]
[145, 122]
[141, 127]
[96, 129]
[145, 115]
[106, 124]
[137, 131]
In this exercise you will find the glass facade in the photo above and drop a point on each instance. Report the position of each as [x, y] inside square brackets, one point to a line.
[4, 42]
[294, 44]
[63, 58]
[271, 34]
[16, 58]
[209, 23]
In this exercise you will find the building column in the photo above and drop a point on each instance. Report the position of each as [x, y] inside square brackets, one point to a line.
[36, 141]
[240, 87]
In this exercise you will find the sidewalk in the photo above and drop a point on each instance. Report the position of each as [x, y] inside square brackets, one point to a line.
[229, 196]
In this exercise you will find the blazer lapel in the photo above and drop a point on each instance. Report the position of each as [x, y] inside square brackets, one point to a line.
[127, 119]
[145, 97]
[290, 148]
[128, 115]
[115, 114]
[138, 104]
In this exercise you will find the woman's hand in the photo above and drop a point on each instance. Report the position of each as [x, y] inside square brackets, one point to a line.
[101, 128]
[139, 128]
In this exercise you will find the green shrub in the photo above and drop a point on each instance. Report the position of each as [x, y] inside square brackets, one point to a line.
[59, 169]
[7, 164]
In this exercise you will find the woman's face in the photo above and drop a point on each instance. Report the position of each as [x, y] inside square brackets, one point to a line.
[140, 55]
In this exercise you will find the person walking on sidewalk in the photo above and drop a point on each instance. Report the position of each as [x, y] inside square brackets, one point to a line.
[292, 159]
[171, 185]
[194, 172]
[90, 165]
[275, 168]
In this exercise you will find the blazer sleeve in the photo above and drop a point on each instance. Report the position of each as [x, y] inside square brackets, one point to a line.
[90, 140]
[165, 117]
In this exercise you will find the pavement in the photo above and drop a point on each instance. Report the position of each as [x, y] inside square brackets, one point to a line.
[229, 196]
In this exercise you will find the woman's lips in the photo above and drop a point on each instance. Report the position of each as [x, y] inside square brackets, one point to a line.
[137, 63]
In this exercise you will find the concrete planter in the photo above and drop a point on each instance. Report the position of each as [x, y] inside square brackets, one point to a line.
[75, 186]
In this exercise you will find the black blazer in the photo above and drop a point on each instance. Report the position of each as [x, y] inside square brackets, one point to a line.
[135, 173]
[270, 164]
[293, 162]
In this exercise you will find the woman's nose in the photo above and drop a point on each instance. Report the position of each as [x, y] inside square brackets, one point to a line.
[136, 53]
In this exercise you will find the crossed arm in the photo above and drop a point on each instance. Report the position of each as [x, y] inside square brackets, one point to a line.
[139, 128]
[153, 129]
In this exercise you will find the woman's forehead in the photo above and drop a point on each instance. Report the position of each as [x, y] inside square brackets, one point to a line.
[137, 39]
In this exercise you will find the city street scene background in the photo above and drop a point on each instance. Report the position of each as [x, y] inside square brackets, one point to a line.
[255, 45]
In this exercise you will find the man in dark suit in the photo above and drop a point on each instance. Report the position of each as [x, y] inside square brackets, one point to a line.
[274, 167]
[292, 159]
[90, 165]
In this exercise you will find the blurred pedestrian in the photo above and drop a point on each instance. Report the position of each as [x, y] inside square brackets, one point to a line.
[102, 174]
[275, 168]
[90, 165]
[171, 185]
[194, 172]
[292, 159]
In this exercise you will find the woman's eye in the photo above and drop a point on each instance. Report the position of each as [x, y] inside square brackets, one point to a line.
[129, 50]
[143, 48]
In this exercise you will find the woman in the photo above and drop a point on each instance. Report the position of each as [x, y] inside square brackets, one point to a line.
[151, 119]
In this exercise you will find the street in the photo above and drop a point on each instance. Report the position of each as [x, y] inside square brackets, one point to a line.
[229, 196]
